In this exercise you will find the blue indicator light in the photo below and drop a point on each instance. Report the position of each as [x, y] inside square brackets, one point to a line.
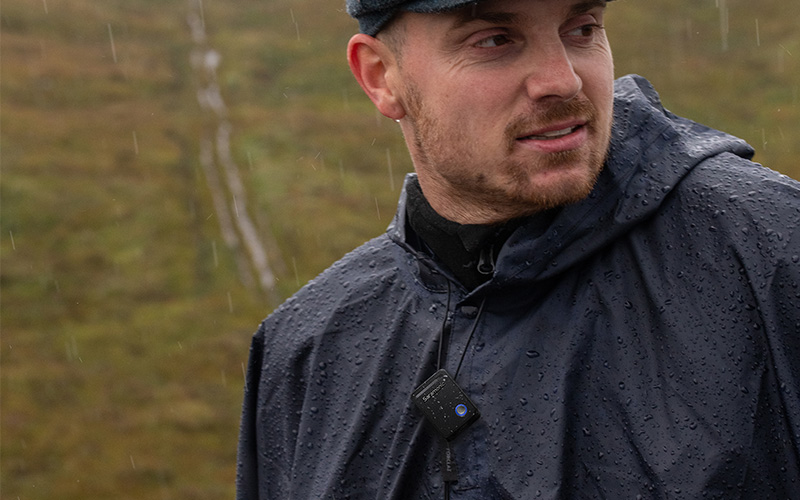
[461, 410]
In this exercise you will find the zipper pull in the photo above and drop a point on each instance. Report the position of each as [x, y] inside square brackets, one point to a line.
[486, 261]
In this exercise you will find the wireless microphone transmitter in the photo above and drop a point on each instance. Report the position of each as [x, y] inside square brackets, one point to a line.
[444, 404]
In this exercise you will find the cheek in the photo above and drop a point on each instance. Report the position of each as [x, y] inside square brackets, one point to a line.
[596, 69]
[606, 74]
[600, 91]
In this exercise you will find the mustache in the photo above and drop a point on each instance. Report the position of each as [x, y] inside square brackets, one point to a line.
[538, 117]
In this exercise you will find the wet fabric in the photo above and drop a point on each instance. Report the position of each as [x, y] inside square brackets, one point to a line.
[467, 250]
[644, 345]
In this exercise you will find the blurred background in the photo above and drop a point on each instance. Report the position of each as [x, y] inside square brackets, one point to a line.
[171, 171]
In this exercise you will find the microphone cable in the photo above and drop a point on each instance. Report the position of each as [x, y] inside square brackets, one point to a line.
[449, 467]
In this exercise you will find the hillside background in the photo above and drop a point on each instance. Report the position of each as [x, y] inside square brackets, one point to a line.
[142, 145]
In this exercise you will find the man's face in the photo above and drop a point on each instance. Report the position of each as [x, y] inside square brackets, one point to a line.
[508, 105]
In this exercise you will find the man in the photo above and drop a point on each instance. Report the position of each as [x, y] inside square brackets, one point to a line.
[611, 291]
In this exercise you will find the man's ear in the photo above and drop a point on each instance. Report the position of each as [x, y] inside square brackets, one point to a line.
[371, 61]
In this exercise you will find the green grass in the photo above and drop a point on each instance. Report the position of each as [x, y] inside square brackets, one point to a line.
[124, 326]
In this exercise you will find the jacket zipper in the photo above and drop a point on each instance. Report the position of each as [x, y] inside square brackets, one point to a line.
[486, 260]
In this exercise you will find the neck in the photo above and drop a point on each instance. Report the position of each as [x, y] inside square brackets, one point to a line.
[470, 208]
[462, 248]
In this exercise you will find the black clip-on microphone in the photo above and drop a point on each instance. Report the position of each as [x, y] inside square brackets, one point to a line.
[444, 403]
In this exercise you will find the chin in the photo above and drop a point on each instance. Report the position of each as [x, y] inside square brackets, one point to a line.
[558, 186]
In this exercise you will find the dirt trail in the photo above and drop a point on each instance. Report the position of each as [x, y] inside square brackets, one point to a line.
[228, 193]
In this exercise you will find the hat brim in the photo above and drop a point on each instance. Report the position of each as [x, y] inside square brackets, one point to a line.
[373, 22]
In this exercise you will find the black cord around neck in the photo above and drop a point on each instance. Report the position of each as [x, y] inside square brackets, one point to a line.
[443, 334]
[469, 339]
[443, 338]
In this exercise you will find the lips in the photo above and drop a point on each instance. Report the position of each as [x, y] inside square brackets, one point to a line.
[555, 128]
[551, 133]
[554, 134]
[557, 138]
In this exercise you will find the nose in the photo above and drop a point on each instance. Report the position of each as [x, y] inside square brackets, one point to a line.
[552, 75]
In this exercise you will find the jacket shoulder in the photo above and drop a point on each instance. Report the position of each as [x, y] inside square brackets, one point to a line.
[732, 206]
[742, 188]
[356, 274]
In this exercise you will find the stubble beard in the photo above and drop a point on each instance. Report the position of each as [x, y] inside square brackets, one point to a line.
[519, 194]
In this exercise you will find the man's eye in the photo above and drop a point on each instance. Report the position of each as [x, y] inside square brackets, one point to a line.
[587, 30]
[493, 41]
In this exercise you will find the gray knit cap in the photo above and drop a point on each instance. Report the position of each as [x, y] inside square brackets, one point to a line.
[373, 15]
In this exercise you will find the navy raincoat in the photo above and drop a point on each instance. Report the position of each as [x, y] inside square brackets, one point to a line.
[646, 345]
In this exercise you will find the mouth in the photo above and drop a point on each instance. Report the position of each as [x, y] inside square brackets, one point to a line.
[557, 138]
[552, 134]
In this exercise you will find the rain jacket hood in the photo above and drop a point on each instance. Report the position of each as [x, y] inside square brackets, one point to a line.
[644, 344]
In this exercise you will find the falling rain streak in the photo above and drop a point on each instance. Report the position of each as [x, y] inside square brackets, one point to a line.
[113, 48]
[296, 274]
[389, 166]
[72, 350]
[296, 26]
[724, 25]
[214, 253]
[758, 35]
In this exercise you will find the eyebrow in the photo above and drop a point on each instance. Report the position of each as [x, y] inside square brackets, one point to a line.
[471, 14]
